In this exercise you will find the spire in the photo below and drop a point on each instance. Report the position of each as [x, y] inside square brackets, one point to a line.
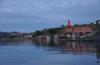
[68, 25]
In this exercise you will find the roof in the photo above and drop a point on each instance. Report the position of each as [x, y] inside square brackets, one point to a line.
[82, 29]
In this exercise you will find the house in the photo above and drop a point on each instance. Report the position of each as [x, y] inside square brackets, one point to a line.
[27, 35]
[81, 31]
[16, 35]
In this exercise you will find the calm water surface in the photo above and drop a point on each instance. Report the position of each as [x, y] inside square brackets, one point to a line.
[49, 53]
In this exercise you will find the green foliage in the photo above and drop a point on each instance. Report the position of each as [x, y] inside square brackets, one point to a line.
[98, 25]
[93, 26]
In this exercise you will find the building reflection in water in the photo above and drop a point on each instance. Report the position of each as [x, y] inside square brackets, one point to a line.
[98, 53]
[68, 47]
[79, 48]
[65, 47]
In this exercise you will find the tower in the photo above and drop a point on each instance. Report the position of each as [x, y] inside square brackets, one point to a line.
[68, 25]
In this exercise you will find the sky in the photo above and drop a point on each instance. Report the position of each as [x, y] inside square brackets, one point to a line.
[31, 15]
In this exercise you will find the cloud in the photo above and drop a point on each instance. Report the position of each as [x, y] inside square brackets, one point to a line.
[25, 6]
[47, 8]
[48, 11]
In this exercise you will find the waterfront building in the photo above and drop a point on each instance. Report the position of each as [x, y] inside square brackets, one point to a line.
[81, 31]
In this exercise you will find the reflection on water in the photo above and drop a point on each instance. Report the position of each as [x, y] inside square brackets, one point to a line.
[98, 53]
[66, 47]
[49, 53]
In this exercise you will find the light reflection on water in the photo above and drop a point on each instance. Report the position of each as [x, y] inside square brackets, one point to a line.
[44, 52]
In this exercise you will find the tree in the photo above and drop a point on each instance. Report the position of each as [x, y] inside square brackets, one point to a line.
[98, 25]
[93, 26]
[63, 26]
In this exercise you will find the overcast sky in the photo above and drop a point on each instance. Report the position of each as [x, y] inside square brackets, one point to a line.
[31, 15]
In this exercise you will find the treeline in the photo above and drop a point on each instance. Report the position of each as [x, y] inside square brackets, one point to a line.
[51, 31]
[96, 26]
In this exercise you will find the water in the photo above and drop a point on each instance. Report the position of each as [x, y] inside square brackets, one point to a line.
[49, 53]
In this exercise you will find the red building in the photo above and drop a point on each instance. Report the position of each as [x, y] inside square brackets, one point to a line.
[81, 31]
